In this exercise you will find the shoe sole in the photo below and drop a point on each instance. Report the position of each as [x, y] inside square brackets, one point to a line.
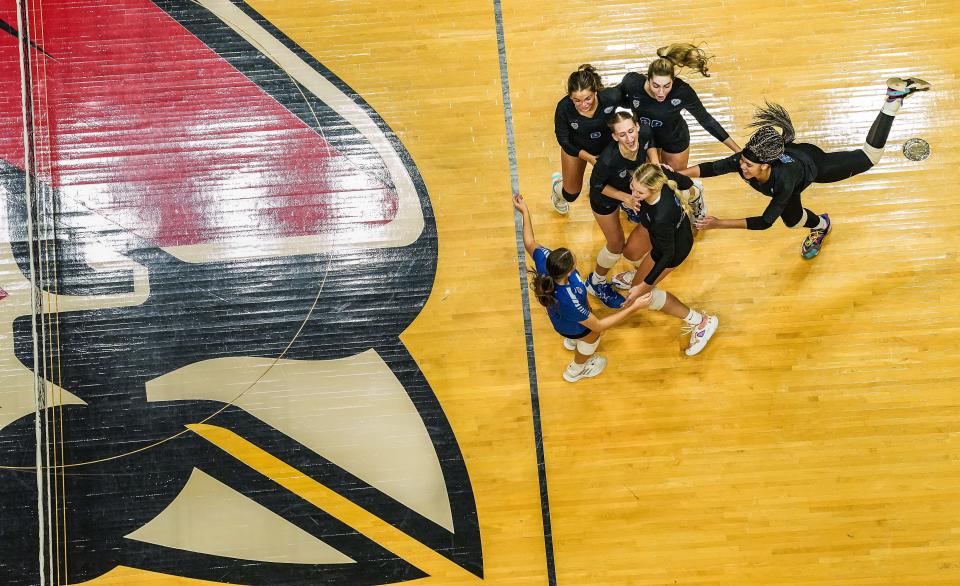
[709, 335]
[909, 85]
[580, 377]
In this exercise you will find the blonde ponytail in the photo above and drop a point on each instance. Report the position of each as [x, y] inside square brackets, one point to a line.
[679, 55]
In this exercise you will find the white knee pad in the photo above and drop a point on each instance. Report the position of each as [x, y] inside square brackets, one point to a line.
[659, 299]
[586, 348]
[873, 153]
[636, 263]
[801, 221]
[607, 259]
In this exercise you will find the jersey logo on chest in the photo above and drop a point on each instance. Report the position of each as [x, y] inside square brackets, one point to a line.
[595, 135]
[675, 101]
[574, 125]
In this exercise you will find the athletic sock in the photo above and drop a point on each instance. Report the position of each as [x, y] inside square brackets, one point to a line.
[598, 279]
[574, 368]
[693, 318]
[891, 107]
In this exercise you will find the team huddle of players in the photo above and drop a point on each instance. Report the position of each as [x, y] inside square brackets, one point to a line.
[638, 144]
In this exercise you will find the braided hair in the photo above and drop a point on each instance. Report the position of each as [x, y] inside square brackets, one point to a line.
[559, 262]
[774, 132]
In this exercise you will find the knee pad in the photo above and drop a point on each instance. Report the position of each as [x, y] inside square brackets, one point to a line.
[636, 263]
[607, 259]
[569, 197]
[659, 299]
[587, 348]
[873, 153]
[800, 222]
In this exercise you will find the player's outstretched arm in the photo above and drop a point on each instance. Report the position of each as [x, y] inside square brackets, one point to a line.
[529, 242]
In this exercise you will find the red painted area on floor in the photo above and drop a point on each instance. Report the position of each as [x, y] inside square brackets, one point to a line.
[158, 133]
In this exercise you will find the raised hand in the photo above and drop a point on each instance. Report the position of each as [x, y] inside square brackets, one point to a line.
[519, 204]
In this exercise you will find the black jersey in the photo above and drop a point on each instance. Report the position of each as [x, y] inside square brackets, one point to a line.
[671, 236]
[665, 115]
[614, 169]
[789, 175]
[576, 132]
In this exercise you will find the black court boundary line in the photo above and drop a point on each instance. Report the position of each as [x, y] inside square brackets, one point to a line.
[525, 299]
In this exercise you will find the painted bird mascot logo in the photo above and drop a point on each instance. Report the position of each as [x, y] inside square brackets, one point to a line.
[208, 235]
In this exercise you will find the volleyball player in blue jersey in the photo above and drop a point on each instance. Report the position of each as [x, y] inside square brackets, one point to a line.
[559, 288]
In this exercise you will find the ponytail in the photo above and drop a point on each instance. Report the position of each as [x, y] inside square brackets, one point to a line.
[584, 78]
[679, 55]
[674, 187]
[774, 115]
[543, 288]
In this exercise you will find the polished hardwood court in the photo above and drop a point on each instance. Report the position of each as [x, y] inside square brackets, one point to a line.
[815, 441]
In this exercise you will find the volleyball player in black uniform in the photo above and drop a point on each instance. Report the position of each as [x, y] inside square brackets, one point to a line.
[610, 189]
[665, 232]
[658, 97]
[580, 123]
[781, 169]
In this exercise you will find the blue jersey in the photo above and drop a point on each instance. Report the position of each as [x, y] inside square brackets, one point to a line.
[571, 307]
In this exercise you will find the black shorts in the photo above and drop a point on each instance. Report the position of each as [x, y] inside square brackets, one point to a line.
[603, 205]
[674, 138]
[583, 334]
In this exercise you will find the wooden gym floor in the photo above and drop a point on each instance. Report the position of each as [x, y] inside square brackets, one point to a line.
[817, 439]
